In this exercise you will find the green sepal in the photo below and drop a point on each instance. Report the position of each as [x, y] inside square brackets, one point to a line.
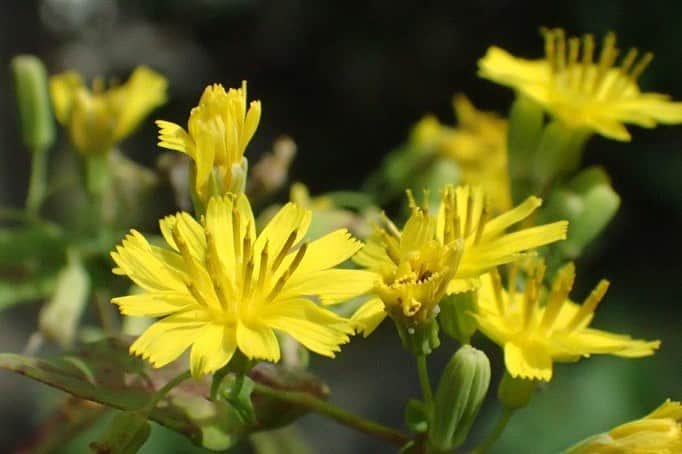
[515, 392]
[455, 316]
[418, 338]
[558, 153]
[416, 416]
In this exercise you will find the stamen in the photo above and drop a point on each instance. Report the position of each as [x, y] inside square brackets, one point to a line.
[511, 282]
[285, 250]
[532, 293]
[561, 49]
[588, 55]
[410, 198]
[469, 213]
[263, 268]
[287, 274]
[549, 50]
[390, 246]
[247, 278]
[561, 287]
[589, 305]
[497, 290]
[483, 219]
[607, 58]
[215, 270]
[236, 232]
[574, 71]
[641, 66]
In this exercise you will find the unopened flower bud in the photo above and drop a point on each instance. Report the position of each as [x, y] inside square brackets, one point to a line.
[59, 318]
[461, 391]
[35, 113]
[588, 202]
[515, 392]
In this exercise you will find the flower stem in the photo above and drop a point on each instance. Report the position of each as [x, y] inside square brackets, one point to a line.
[497, 431]
[337, 414]
[161, 393]
[424, 381]
[37, 186]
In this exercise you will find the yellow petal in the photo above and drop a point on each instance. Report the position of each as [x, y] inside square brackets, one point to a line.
[517, 214]
[593, 341]
[168, 338]
[332, 286]
[289, 219]
[212, 349]
[328, 251]
[136, 260]
[63, 88]
[144, 91]
[529, 361]
[318, 329]
[257, 342]
[156, 304]
[368, 316]
[174, 137]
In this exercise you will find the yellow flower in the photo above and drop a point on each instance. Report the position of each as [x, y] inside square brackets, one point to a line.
[581, 91]
[99, 119]
[479, 146]
[660, 432]
[218, 131]
[220, 287]
[433, 257]
[536, 328]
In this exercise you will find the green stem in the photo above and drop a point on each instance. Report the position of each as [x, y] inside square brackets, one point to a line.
[161, 393]
[37, 186]
[497, 431]
[424, 382]
[333, 412]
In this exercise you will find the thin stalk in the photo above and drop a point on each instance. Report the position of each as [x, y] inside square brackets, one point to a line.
[424, 381]
[37, 186]
[497, 431]
[337, 414]
[161, 393]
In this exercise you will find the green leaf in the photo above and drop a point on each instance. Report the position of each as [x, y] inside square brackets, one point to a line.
[16, 291]
[104, 372]
[37, 243]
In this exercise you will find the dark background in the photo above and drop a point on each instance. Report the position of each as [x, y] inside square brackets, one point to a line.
[347, 80]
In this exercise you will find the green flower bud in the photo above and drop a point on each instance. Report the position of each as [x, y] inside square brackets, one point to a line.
[455, 316]
[588, 202]
[35, 113]
[515, 392]
[558, 153]
[126, 434]
[418, 338]
[59, 318]
[461, 391]
[523, 135]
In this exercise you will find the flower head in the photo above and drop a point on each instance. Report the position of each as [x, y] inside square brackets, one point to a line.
[660, 432]
[580, 90]
[536, 328]
[432, 257]
[218, 131]
[221, 287]
[99, 119]
[478, 144]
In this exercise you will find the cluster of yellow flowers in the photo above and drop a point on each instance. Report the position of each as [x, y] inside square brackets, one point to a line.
[222, 286]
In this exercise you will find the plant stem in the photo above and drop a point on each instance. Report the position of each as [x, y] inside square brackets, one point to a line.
[337, 414]
[37, 186]
[497, 431]
[424, 382]
[161, 393]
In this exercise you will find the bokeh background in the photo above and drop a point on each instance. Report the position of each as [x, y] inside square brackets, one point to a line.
[346, 80]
